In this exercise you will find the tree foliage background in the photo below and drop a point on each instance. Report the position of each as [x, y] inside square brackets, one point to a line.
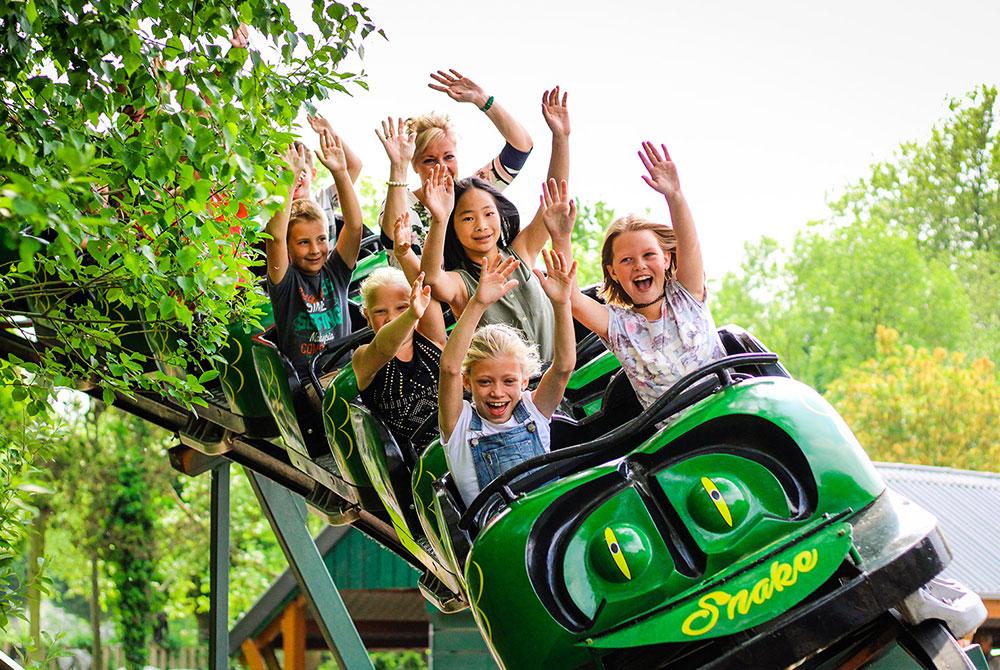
[133, 132]
[892, 304]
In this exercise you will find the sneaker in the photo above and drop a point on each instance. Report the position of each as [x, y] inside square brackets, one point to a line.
[946, 600]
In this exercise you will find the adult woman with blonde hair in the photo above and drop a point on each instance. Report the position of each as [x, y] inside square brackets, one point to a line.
[429, 141]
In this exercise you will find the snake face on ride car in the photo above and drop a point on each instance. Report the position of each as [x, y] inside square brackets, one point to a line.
[655, 540]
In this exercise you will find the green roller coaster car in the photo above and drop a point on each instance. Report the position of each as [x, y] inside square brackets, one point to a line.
[736, 522]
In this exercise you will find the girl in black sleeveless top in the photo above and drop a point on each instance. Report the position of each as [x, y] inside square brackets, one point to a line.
[397, 372]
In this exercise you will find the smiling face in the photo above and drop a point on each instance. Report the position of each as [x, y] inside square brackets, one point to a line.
[477, 223]
[308, 246]
[639, 265]
[388, 302]
[496, 385]
[439, 151]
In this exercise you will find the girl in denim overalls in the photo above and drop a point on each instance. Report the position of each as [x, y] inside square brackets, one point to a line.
[505, 424]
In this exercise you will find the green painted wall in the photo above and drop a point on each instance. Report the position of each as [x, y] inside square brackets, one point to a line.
[358, 562]
[456, 643]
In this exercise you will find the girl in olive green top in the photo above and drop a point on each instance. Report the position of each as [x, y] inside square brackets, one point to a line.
[471, 221]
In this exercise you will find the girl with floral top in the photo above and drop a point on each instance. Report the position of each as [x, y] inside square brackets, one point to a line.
[655, 319]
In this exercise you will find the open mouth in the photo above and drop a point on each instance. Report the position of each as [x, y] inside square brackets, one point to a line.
[497, 409]
[643, 283]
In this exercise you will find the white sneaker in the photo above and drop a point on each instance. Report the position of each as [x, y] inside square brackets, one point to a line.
[947, 600]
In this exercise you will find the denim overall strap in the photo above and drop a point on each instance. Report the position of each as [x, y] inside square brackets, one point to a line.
[494, 454]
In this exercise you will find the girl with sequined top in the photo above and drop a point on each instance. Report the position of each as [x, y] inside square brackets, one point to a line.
[397, 372]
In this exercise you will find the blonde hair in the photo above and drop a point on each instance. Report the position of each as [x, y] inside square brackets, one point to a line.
[379, 278]
[612, 291]
[428, 127]
[305, 209]
[499, 339]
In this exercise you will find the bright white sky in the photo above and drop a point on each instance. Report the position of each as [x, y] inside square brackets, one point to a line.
[766, 107]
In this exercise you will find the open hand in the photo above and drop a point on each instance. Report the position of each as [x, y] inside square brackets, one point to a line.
[558, 209]
[319, 123]
[558, 285]
[402, 236]
[399, 145]
[241, 37]
[439, 194]
[662, 171]
[458, 87]
[556, 112]
[298, 159]
[494, 282]
[420, 296]
[332, 151]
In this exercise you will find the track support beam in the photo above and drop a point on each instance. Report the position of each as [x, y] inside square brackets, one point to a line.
[286, 511]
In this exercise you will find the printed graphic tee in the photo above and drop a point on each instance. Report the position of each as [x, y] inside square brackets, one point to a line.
[310, 310]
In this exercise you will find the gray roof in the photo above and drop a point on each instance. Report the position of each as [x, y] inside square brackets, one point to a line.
[967, 505]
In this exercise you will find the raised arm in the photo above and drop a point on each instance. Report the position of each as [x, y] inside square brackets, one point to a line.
[663, 179]
[558, 286]
[399, 146]
[462, 89]
[494, 283]
[349, 240]
[370, 358]
[533, 237]
[431, 324]
[439, 196]
[319, 124]
[277, 247]
[559, 216]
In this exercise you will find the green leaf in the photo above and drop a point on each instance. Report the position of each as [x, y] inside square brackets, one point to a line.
[187, 258]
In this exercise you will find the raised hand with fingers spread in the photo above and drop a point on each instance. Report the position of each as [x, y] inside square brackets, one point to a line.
[558, 282]
[558, 213]
[439, 194]
[298, 158]
[494, 280]
[402, 236]
[458, 87]
[662, 176]
[322, 127]
[420, 297]
[555, 111]
[332, 152]
[398, 143]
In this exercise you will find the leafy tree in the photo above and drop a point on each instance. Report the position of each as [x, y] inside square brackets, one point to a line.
[588, 236]
[820, 307]
[135, 131]
[28, 437]
[130, 555]
[926, 406]
[944, 194]
[912, 246]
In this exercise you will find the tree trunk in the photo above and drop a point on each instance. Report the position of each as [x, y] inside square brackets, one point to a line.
[36, 550]
[95, 614]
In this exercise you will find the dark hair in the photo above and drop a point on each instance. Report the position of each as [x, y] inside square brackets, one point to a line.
[510, 225]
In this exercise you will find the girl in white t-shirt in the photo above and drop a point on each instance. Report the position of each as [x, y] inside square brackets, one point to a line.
[505, 424]
[655, 319]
